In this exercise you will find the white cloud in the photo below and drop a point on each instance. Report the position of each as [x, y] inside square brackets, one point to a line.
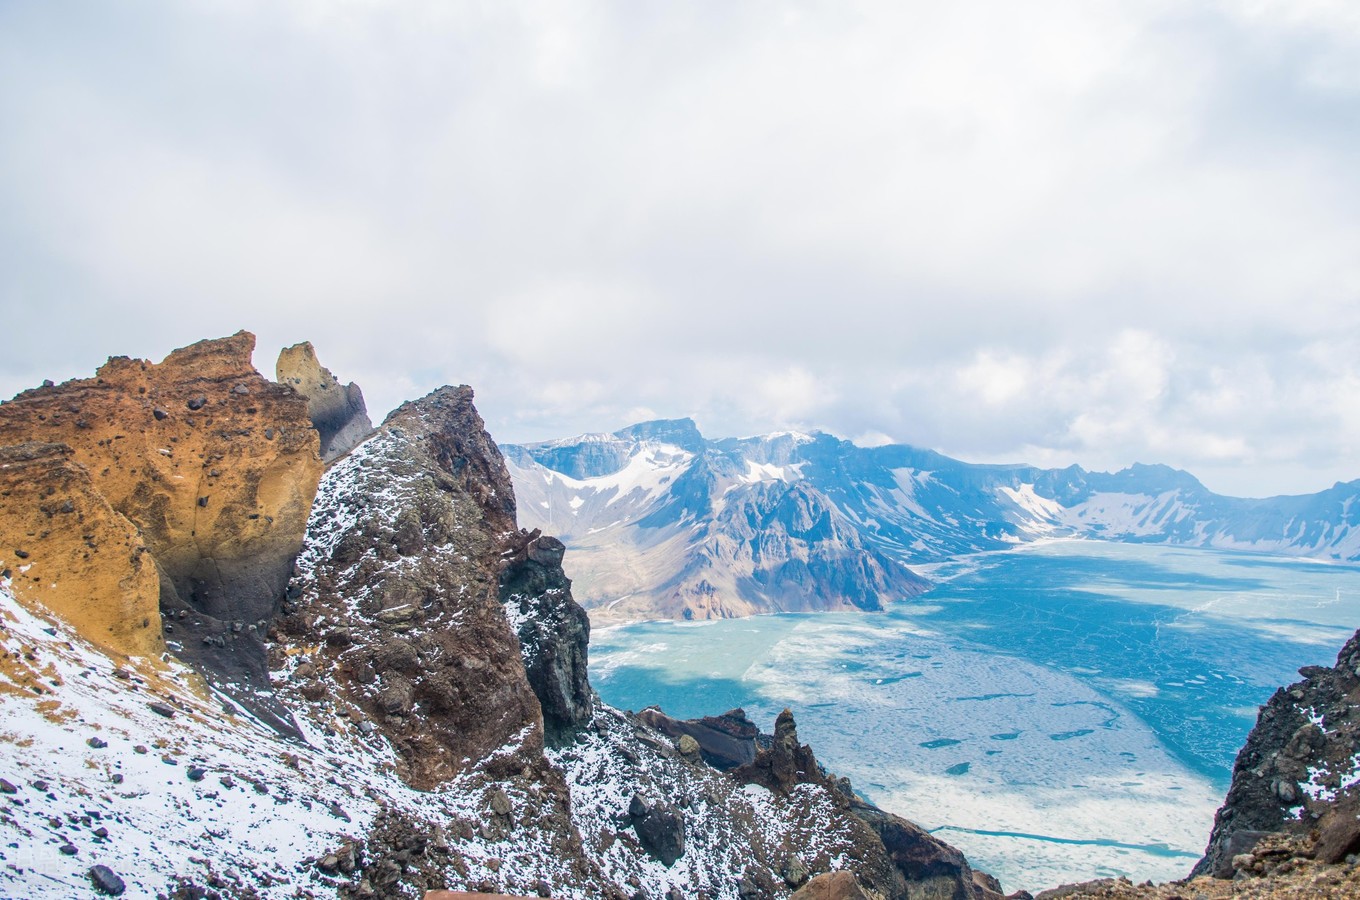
[1093, 233]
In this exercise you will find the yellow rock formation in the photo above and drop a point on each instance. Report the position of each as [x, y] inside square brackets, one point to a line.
[216, 464]
[67, 550]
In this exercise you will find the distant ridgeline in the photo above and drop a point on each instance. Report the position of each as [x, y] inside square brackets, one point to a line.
[663, 521]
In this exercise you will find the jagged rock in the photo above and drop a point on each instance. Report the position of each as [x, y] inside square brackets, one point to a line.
[87, 562]
[898, 857]
[831, 886]
[435, 622]
[932, 867]
[1287, 779]
[337, 411]
[252, 456]
[785, 763]
[725, 742]
[660, 829]
[552, 628]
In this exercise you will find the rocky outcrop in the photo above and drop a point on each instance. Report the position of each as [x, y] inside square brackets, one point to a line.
[216, 466]
[898, 858]
[553, 631]
[394, 623]
[831, 886]
[337, 411]
[726, 741]
[1299, 771]
[65, 549]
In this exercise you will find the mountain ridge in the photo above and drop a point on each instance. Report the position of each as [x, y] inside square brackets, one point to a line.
[656, 500]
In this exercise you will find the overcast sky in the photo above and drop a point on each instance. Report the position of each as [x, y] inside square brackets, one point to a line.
[1092, 231]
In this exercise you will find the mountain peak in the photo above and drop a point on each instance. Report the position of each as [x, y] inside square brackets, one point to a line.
[682, 433]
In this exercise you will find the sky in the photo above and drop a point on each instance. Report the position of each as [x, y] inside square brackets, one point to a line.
[1072, 231]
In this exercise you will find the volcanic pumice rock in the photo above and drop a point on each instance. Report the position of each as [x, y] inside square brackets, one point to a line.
[337, 410]
[66, 549]
[215, 464]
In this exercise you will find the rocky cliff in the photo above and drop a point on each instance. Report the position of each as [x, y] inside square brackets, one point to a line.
[395, 613]
[216, 466]
[424, 719]
[1299, 772]
[65, 549]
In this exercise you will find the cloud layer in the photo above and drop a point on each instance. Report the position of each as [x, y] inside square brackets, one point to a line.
[1077, 232]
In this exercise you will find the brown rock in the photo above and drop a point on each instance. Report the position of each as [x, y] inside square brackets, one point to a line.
[435, 628]
[1339, 831]
[831, 886]
[337, 411]
[84, 561]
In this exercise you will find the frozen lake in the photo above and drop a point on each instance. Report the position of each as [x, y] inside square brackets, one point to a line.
[1061, 712]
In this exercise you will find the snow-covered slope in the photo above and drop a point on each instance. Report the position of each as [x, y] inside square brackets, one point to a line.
[655, 511]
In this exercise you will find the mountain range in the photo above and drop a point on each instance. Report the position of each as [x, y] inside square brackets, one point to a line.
[662, 521]
[253, 647]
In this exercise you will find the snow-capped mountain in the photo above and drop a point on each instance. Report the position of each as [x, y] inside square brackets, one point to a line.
[663, 521]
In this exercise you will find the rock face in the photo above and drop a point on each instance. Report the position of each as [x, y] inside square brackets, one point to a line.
[423, 641]
[337, 411]
[217, 467]
[395, 617]
[899, 859]
[553, 631]
[1299, 770]
[66, 549]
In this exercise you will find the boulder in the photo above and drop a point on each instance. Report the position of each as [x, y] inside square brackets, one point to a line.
[725, 742]
[660, 829]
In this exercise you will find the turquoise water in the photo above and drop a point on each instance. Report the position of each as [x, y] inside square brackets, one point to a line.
[1070, 695]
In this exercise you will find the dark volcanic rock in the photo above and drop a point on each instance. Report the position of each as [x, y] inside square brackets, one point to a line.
[726, 741]
[785, 763]
[660, 829]
[553, 630]
[897, 858]
[106, 881]
[1289, 776]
